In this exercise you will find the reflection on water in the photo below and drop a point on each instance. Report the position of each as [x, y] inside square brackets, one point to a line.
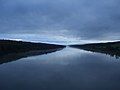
[68, 69]
[113, 52]
[4, 58]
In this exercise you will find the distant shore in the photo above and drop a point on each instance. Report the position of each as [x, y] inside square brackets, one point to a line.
[110, 48]
[9, 46]
[11, 50]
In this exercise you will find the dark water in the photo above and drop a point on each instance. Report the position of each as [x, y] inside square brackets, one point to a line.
[68, 69]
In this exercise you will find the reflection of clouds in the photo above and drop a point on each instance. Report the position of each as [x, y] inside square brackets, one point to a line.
[62, 57]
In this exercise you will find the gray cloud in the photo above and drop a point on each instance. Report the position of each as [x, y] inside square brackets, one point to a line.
[83, 19]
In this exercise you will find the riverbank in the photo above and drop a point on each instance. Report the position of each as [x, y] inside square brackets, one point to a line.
[13, 50]
[111, 48]
[9, 46]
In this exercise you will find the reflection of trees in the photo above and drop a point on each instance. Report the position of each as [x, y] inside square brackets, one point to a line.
[112, 49]
[13, 50]
[113, 53]
[9, 57]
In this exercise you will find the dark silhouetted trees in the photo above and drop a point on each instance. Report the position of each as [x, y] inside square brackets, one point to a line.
[110, 48]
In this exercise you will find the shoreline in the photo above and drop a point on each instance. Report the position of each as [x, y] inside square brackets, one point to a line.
[109, 48]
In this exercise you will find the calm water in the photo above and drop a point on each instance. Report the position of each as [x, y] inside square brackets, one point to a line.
[68, 69]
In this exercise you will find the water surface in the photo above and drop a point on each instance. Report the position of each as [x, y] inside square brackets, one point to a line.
[68, 69]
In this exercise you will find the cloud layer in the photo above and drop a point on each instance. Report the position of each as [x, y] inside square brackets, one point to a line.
[83, 19]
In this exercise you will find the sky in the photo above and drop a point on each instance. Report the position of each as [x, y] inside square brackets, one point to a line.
[60, 21]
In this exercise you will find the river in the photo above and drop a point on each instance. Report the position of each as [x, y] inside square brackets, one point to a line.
[67, 69]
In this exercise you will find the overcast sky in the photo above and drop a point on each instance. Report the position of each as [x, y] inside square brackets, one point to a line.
[60, 20]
